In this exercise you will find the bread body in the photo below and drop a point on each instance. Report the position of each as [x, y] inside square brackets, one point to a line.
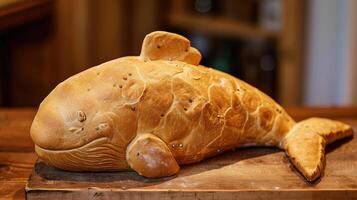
[196, 110]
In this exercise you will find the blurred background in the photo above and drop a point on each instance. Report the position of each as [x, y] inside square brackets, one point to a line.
[300, 52]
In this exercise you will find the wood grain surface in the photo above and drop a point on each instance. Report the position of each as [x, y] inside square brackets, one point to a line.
[259, 172]
[15, 168]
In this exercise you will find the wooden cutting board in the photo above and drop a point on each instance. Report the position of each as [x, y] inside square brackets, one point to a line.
[248, 173]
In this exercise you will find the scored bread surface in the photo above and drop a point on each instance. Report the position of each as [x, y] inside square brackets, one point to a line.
[181, 109]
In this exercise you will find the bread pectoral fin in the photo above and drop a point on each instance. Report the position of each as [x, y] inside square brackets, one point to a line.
[149, 156]
[305, 144]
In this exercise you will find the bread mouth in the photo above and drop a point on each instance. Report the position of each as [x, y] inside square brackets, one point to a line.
[98, 140]
[97, 155]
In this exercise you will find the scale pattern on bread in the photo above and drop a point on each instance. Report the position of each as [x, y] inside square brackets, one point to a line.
[159, 110]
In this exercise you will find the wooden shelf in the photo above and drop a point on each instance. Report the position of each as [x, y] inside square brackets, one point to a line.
[219, 26]
[289, 39]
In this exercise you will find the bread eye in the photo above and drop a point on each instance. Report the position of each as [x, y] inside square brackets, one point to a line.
[81, 116]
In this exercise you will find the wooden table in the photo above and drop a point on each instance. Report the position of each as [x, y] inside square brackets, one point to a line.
[16, 149]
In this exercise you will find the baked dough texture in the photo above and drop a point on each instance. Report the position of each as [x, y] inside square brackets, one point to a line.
[154, 112]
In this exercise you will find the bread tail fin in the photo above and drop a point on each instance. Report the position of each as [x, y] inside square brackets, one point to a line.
[306, 141]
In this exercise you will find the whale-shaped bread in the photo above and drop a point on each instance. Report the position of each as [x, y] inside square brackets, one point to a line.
[154, 112]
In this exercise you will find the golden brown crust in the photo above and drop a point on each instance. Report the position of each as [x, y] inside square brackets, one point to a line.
[196, 112]
[161, 45]
[150, 157]
[306, 141]
[307, 152]
[106, 157]
[330, 130]
[201, 109]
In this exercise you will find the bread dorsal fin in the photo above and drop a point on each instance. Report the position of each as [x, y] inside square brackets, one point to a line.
[160, 45]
